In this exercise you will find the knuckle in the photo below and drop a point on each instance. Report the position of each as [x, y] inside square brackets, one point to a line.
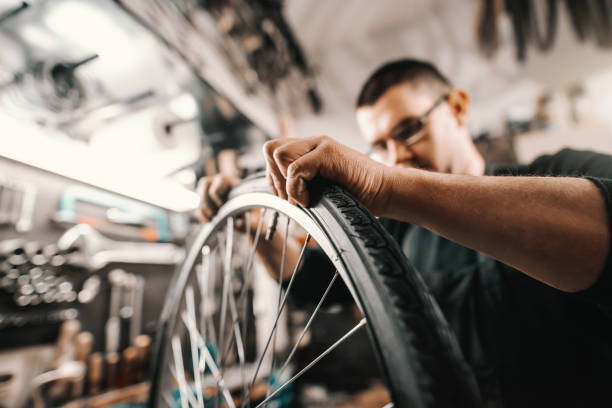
[293, 169]
[269, 147]
[202, 183]
[280, 154]
[324, 139]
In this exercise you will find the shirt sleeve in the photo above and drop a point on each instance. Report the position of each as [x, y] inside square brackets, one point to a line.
[601, 291]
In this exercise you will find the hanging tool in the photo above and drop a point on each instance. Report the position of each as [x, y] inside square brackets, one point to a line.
[144, 221]
[95, 373]
[64, 352]
[142, 343]
[83, 345]
[94, 251]
[128, 366]
[138, 297]
[111, 369]
[112, 327]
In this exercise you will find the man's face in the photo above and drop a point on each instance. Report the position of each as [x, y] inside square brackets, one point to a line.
[434, 147]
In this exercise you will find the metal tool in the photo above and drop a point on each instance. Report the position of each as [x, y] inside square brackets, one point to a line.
[64, 352]
[126, 311]
[112, 369]
[112, 329]
[21, 318]
[137, 298]
[67, 371]
[94, 251]
[17, 202]
[142, 343]
[154, 222]
[64, 347]
[94, 375]
[83, 345]
[90, 289]
[24, 221]
[128, 366]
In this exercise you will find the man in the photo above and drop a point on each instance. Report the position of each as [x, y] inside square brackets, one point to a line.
[529, 344]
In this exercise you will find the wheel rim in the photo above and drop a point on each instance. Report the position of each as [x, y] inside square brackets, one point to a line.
[207, 352]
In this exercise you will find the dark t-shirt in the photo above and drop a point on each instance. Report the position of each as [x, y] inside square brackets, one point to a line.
[530, 345]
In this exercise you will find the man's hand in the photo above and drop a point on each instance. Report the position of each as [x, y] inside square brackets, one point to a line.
[294, 162]
[213, 191]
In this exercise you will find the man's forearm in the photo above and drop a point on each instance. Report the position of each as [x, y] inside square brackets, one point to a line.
[554, 229]
[270, 253]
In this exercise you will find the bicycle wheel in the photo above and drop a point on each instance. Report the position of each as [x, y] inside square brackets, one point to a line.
[203, 356]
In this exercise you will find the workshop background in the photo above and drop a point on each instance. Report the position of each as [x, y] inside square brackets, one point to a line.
[110, 111]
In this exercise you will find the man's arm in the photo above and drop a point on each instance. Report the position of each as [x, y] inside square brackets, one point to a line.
[553, 229]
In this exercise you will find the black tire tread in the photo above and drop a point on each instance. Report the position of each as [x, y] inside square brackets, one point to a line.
[443, 376]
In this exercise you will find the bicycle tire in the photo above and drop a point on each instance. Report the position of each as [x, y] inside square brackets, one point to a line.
[416, 349]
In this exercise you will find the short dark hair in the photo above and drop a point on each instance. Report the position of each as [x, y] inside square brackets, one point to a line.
[396, 72]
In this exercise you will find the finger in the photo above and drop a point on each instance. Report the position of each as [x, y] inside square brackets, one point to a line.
[268, 151]
[207, 207]
[300, 195]
[203, 214]
[287, 153]
[218, 190]
[200, 186]
[275, 177]
[298, 173]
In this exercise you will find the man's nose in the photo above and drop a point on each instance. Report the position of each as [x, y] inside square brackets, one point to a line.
[398, 152]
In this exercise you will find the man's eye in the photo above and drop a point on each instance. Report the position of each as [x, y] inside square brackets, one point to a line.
[379, 146]
[407, 130]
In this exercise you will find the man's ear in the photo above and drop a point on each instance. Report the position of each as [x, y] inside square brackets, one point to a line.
[459, 103]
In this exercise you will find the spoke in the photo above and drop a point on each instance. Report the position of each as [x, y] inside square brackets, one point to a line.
[295, 270]
[280, 291]
[227, 264]
[203, 279]
[256, 239]
[168, 400]
[214, 369]
[305, 330]
[247, 220]
[179, 371]
[242, 297]
[238, 337]
[315, 361]
[197, 375]
[189, 393]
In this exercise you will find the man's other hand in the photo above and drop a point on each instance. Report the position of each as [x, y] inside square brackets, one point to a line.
[213, 191]
[291, 163]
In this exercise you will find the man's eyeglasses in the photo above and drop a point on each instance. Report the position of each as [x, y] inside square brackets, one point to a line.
[407, 131]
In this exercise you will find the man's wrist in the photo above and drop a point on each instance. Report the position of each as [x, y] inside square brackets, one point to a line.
[400, 193]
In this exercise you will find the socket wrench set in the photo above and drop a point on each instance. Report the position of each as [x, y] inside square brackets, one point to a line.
[36, 280]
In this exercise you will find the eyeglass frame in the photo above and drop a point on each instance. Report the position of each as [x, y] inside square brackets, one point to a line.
[420, 123]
